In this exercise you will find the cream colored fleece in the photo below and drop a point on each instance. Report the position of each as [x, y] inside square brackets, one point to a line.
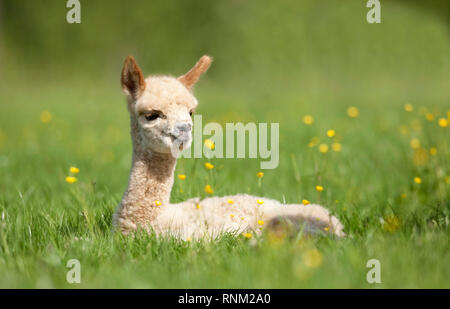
[146, 201]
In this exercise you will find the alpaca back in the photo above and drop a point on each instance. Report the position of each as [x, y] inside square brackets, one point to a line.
[214, 216]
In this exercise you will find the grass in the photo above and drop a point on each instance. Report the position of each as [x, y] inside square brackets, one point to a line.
[61, 106]
[369, 185]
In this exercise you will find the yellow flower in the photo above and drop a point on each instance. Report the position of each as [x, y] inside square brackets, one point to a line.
[208, 189]
[443, 122]
[352, 112]
[336, 147]
[232, 215]
[312, 258]
[391, 223]
[158, 203]
[314, 141]
[429, 116]
[418, 180]
[230, 201]
[415, 143]
[319, 188]
[46, 117]
[71, 179]
[74, 170]
[403, 195]
[209, 166]
[198, 206]
[182, 176]
[260, 202]
[326, 229]
[409, 108]
[331, 133]
[305, 202]
[323, 148]
[260, 174]
[308, 119]
[433, 151]
[260, 222]
[189, 239]
[210, 144]
[247, 235]
[420, 156]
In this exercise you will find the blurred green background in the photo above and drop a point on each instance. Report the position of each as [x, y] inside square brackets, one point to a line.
[309, 47]
[274, 61]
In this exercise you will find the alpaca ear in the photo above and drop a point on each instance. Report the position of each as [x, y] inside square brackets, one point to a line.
[190, 78]
[132, 79]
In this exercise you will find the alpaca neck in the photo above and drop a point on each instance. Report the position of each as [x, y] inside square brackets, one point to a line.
[150, 183]
[151, 178]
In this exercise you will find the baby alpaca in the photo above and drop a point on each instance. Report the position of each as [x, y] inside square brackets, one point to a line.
[160, 109]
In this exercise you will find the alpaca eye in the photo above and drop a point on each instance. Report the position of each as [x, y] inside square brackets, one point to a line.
[152, 117]
[190, 113]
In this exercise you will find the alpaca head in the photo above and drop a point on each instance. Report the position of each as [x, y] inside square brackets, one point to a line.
[161, 106]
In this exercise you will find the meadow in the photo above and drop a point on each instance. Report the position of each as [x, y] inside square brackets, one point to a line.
[364, 113]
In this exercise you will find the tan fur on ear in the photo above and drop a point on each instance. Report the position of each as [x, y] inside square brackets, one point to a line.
[190, 78]
[132, 79]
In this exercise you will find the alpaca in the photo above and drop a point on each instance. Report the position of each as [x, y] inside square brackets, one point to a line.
[160, 109]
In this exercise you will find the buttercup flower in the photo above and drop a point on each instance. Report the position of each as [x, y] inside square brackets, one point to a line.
[418, 180]
[429, 116]
[415, 143]
[331, 133]
[433, 151]
[181, 176]
[247, 235]
[260, 222]
[209, 166]
[443, 122]
[319, 188]
[336, 147]
[232, 215]
[230, 201]
[71, 179]
[208, 189]
[46, 117]
[323, 148]
[352, 112]
[210, 144]
[308, 119]
[74, 170]
[260, 202]
[158, 203]
[260, 174]
[198, 206]
[305, 202]
[409, 107]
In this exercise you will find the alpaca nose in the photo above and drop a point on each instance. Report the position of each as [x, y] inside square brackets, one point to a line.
[184, 127]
